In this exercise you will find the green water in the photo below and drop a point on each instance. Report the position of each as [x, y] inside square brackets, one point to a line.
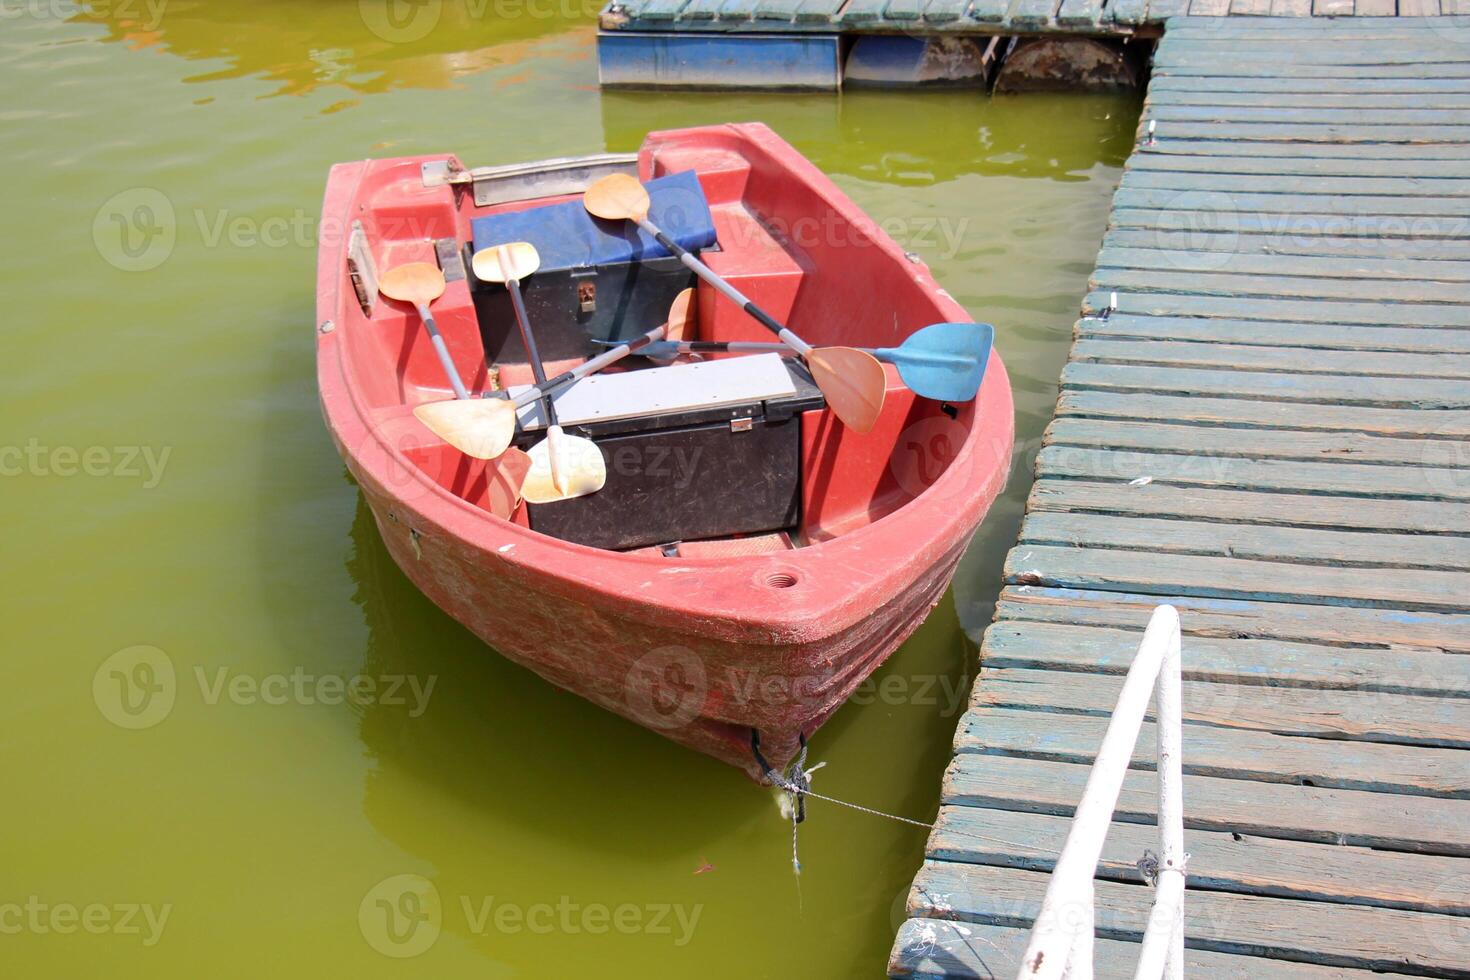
[168, 485]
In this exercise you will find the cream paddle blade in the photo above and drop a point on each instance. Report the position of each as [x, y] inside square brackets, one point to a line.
[580, 468]
[478, 427]
[853, 388]
[501, 263]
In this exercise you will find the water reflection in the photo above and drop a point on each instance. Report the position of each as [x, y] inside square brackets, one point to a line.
[961, 133]
[366, 47]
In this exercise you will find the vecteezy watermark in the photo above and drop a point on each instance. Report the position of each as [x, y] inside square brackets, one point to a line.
[666, 688]
[37, 459]
[138, 229]
[40, 917]
[147, 15]
[402, 916]
[137, 687]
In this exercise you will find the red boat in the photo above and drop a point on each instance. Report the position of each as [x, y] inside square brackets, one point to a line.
[719, 610]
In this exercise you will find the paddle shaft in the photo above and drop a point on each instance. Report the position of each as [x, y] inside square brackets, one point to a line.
[891, 354]
[734, 295]
[587, 367]
[528, 339]
[439, 348]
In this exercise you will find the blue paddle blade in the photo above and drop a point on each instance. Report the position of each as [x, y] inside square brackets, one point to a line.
[943, 361]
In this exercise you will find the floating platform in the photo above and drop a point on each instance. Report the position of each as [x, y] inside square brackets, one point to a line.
[1269, 428]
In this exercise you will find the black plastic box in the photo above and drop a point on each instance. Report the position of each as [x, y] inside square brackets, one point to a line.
[688, 476]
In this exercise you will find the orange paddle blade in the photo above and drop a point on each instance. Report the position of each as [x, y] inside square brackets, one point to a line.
[506, 479]
[419, 283]
[617, 197]
[853, 383]
[478, 427]
[681, 316]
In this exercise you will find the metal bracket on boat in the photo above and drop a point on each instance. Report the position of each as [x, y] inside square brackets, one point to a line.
[361, 269]
[527, 181]
[437, 173]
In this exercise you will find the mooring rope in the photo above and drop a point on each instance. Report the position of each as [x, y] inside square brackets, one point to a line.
[796, 782]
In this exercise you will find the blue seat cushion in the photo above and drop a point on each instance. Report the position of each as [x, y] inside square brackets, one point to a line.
[567, 237]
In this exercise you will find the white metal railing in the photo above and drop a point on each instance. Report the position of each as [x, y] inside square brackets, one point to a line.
[1061, 940]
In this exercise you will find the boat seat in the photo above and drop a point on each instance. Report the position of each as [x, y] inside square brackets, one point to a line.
[567, 237]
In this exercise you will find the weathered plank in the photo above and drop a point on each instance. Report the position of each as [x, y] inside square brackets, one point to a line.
[1375, 8]
[1282, 928]
[1239, 578]
[1369, 49]
[1032, 13]
[1227, 753]
[1314, 115]
[1237, 618]
[1228, 283]
[1270, 663]
[1418, 8]
[862, 11]
[1146, 435]
[1323, 338]
[818, 11]
[1249, 308]
[777, 10]
[1295, 203]
[1210, 65]
[661, 9]
[1422, 824]
[1280, 510]
[1250, 8]
[1331, 8]
[1175, 95]
[1389, 253]
[1291, 8]
[1290, 88]
[1213, 213]
[945, 11]
[1080, 13]
[1425, 394]
[933, 949]
[1209, 8]
[1162, 10]
[1346, 480]
[1403, 185]
[1281, 359]
[989, 11]
[1227, 410]
[1288, 545]
[1353, 716]
[1221, 146]
[1127, 12]
[1218, 861]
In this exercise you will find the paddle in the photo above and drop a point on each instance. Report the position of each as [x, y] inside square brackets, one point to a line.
[497, 422]
[852, 380]
[943, 361]
[563, 466]
[462, 423]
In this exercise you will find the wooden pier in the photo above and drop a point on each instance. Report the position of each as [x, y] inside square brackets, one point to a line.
[1269, 429]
